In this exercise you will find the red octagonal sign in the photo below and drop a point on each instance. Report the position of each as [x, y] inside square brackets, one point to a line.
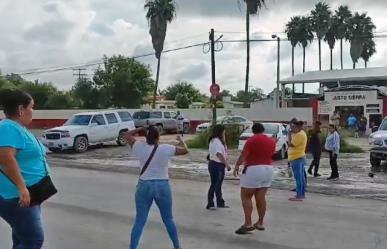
[215, 90]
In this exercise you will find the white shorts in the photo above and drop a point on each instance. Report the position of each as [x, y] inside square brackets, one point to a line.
[257, 176]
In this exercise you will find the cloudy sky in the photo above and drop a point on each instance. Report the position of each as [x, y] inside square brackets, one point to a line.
[50, 33]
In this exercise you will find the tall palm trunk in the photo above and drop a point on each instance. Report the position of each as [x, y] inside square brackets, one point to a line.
[341, 53]
[365, 64]
[354, 65]
[247, 57]
[157, 83]
[303, 66]
[331, 59]
[293, 67]
[319, 54]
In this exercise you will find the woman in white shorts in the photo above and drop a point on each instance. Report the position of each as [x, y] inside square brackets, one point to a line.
[257, 176]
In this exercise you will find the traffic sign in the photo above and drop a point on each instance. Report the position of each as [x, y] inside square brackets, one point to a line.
[215, 90]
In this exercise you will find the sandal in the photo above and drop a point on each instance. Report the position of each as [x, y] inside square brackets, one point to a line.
[259, 227]
[245, 230]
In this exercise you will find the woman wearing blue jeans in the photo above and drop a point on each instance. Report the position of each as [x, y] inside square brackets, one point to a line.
[153, 184]
[22, 164]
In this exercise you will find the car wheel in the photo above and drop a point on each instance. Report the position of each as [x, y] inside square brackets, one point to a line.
[375, 162]
[121, 141]
[81, 144]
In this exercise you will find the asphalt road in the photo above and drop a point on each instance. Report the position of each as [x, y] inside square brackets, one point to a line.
[95, 210]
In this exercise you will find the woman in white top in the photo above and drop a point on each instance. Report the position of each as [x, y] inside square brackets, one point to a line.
[153, 184]
[216, 166]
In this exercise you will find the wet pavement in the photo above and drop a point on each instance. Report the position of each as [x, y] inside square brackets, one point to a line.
[354, 169]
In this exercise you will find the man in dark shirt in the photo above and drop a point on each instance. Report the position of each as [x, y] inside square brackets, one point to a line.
[315, 148]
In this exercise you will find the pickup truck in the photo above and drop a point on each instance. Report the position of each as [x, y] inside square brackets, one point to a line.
[84, 129]
[378, 139]
[165, 121]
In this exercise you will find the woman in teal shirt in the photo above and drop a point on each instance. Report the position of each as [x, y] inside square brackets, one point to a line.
[22, 164]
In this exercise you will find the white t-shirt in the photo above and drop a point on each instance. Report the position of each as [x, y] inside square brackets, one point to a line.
[216, 146]
[158, 166]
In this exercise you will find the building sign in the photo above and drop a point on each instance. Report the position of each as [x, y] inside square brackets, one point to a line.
[325, 107]
[351, 97]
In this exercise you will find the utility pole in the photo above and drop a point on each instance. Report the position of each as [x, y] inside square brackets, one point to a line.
[213, 74]
[79, 73]
[278, 70]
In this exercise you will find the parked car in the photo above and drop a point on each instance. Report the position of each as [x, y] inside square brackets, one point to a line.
[275, 130]
[239, 120]
[378, 140]
[166, 121]
[89, 128]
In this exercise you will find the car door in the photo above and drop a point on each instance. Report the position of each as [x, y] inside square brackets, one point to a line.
[98, 129]
[113, 126]
[174, 121]
[282, 138]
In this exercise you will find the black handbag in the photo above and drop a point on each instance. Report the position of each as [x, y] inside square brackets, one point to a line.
[42, 190]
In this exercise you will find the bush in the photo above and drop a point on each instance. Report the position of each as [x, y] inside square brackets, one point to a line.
[345, 147]
[233, 132]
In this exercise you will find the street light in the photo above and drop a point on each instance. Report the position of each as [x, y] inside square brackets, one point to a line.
[275, 36]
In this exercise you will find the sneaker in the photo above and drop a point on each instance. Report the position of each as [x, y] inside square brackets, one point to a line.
[212, 208]
[296, 199]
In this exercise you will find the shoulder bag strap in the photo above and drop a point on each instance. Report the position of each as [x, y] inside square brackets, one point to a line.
[149, 160]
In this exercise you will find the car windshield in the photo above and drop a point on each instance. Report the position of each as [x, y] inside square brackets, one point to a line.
[79, 120]
[141, 115]
[383, 126]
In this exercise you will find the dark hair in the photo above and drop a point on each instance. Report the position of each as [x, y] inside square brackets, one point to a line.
[152, 135]
[10, 100]
[333, 126]
[217, 132]
[258, 128]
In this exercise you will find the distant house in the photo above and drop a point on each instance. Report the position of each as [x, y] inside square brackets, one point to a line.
[229, 104]
[197, 105]
[161, 103]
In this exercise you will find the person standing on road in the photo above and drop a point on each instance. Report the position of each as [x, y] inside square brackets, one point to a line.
[315, 148]
[296, 157]
[217, 166]
[180, 123]
[23, 164]
[335, 119]
[362, 125]
[332, 145]
[153, 185]
[257, 176]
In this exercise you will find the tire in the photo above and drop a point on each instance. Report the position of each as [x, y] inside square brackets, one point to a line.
[81, 144]
[375, 162]
[121, 141]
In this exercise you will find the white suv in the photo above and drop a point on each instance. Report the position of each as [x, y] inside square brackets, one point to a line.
[378, 140]
[89, 128]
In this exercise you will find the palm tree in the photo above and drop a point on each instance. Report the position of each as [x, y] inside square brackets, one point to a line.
[160, 13]
[321, 16]
[360, 30]
[252, 7]
[330, 37]
[369, 50]
[292, 34]
[305, 35]
[342, 17]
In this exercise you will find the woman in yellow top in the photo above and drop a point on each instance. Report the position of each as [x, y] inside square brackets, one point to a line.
[296, 157]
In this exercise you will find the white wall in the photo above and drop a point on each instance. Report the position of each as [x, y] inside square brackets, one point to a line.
[264, 113]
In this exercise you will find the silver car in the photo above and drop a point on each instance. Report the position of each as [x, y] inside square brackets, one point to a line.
[165, 121]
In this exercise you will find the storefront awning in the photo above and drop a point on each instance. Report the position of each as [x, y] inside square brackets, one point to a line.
[346, 75]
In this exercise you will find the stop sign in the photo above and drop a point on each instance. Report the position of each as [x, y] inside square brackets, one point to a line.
[215, 90]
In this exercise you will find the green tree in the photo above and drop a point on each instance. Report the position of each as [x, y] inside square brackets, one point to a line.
[183, 100]
[292, 32]
[39, 91]
[251, 96]
[252, 7]
[5, 84]
[330, 37]
[60, 100]
[369, 49]
[321, 16]
[342, 17]
[126, 82]
[305, 36]
[159, 14]
[88, 96]
[361, 29]
[183, 88]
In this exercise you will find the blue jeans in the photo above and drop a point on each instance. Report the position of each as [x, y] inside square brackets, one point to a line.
[26, 224]
[147, 192]
[217, 172]
[298, 167]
